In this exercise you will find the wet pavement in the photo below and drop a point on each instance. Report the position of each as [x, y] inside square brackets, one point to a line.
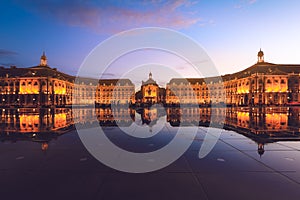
[236, 168]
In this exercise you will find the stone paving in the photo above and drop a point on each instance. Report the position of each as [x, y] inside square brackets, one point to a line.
[232, 170]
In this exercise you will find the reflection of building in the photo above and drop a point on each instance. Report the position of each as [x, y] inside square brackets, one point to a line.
[262, 83]
[260, 121]
[36, 125]
[31, 120]
[150, 115]
[260, 149]
[276, 120]
[121, 117]
[194, 116]
[46, 120]
[263, 124]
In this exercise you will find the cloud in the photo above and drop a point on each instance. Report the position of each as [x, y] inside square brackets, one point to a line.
[4, 53]
[244, 3]
[7, 57]
[108, 75]
[114, 16]
[252, 1]
[7, 64]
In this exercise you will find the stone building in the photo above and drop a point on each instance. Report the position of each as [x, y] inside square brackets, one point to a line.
[43, 86]
[35, 86]
[150, 92]
[115, 91]
[261, 84]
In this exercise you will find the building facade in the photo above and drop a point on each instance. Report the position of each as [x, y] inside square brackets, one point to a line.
[261, 84]
[115, 91]
[35, 86]
[150, 91]
[42, 85]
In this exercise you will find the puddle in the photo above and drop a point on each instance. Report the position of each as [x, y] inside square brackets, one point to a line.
[20, 158]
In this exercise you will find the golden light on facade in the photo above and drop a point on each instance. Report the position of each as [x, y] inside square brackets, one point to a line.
[60, 120]
[262, 83]
[29, 89]
[29, 122]
[59, 90]
[276, 121]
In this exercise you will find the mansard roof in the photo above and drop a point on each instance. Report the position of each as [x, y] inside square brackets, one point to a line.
[46, 71]
[115, 82]
[264, 68]
[36, 71]
[194, 81]
[149, 81]
[261, 68]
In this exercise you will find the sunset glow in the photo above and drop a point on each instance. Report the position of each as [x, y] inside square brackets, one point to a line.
[230, 31]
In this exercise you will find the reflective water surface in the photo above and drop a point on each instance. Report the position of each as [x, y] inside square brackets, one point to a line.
[41, 155]
[273, 123]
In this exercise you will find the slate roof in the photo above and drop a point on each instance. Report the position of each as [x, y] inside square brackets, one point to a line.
[149, 81]
[115, 81]
[36, 71]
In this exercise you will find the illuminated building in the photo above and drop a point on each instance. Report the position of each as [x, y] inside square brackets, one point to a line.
[194, 91]
[150, 92]
[35, 86]
[43, 86]
[261, 84]
[115, 91]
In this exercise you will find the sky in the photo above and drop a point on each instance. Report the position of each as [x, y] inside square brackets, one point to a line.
[230, 31]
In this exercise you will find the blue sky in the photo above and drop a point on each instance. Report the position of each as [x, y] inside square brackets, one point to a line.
[231, 31]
